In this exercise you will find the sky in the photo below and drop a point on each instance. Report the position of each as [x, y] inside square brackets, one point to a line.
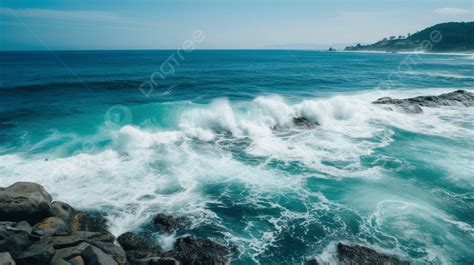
[224, 24]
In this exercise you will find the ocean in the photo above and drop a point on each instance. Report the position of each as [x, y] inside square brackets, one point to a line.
[208, 135]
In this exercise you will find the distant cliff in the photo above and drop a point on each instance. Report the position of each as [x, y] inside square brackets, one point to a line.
[445, 37]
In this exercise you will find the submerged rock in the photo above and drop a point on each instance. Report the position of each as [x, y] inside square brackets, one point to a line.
[364, 255]
[24, 201]
[168, 223]
[304, 123]
[461, 98]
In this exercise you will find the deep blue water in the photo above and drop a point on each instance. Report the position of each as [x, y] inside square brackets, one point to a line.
[213, 140]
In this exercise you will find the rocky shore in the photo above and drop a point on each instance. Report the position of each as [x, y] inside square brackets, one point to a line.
[460, 98]
[36, 230]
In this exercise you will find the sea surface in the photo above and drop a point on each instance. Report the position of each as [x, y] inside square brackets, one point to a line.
[208, 135]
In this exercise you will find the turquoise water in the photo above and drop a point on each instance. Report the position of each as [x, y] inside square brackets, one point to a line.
[214, 141]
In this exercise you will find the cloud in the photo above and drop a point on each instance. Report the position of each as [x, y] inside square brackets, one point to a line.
[58, 14]
[451, 11]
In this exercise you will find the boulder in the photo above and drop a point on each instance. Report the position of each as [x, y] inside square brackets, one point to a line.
[138, 247]
[304, 123]
[364, 255]
[93, 255]
[157, 261]
[191, 250]
[82, 221]
[50, 226]
[168, 223]
[24, 201]
[14, 241]
[37, 254]
[6, 259]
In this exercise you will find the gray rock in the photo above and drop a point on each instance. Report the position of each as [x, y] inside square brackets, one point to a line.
[24, 226]
[364, 255]
[14, 241]
[93, 255]
[37, 254]
[63, 255]
[50, 226]
[78, 237]
[24, 201]
[191, 250]
[157, 261]
[461, 98]
[6, 259]
[138, 247]
[304, 123]
[82, 221]
[113, 250]
[168, 223]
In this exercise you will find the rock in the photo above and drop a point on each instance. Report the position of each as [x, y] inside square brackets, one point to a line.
[304, 123]
[24, 226]
[461, 98]
[14, 241]
[157, 261]
[65, 254]
[138, 247]
[78, 237]
[364, 255]
[82, 221]
[24, 201]
[167, 223]
[50, 226]
[190, 250]
[312, 261]
[93, 255]
[6, 259]
[113, 250]
[37, 254]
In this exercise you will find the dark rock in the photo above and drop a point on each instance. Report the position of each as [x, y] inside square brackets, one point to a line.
[460, 98]
[6, 259]
[190, 250]
[78, 237]
[50, 226]
[304, 123]
[65, 254]
[93, 255]
[24, 201]
[36, 254]
[312, 261]
[157, 261]
[168, 223]
[364, 255]
[113, 250]
[82, 221]
[138, 247]
[14, 241]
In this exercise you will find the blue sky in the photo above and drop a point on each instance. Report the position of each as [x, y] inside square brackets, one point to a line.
[227, 24]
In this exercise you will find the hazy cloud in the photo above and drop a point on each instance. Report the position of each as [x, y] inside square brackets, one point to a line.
[451, 11]
[58, 14]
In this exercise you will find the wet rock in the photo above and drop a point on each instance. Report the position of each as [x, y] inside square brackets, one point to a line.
[6, 259]
[461, 98]
[113, 250]
[37, 254]
[14, 241]
[304, 123]
[93, 255]
[138, 247]
[65, 254]
[157, 261]
[50, 226]
[191, 250]
[168, 223]
[364, 255]
[24, 201]
[82, 221]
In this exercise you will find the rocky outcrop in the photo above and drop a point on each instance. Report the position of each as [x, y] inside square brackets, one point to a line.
[461, 98]
[304, 123]
[168, 223]
[355, 254]
[35, 230]
[364, 255]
